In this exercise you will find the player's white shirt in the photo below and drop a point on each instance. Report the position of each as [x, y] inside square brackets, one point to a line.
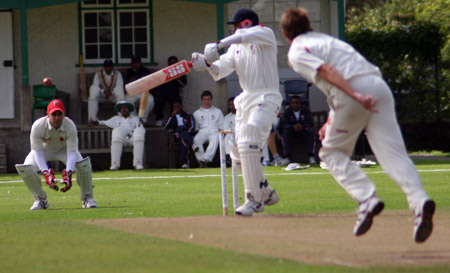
[44, 137]
[125, 124]
[211, 118]
[309, 51]
[229, 122]
[254, 60]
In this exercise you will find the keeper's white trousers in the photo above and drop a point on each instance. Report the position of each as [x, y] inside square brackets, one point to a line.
[61, 155]
[120, 140]
[383, 133]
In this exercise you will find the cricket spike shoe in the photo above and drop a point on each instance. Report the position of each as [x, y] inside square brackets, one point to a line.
[424, 221]
[249, 207]
[366, 211]
[88, 203]
[40, 204]
[269, 194]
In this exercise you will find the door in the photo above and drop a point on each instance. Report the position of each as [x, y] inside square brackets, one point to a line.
[6, 66]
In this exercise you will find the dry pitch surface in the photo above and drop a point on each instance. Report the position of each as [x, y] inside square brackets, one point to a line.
[311, 238]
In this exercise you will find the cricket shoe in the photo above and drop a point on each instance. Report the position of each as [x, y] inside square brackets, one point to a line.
[269, 194]
[185, 166]
[249, 207]
[88, 203]
[40, 204]
[114, 168]
[366, 211]
[424, 221]
[312, 160]
[139, 167]
[281, 161]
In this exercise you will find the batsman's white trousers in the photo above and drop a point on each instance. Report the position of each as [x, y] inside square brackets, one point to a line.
[49, 156]
[120, 139]
[255, 114]
[206, 135]
[348, 119]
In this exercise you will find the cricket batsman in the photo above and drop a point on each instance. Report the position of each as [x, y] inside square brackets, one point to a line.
[359, 99]
[252, 53]
[54, 137]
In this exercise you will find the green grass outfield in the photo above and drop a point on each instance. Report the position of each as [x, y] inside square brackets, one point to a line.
[55, 240]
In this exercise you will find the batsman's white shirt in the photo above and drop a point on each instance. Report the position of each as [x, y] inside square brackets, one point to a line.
[255, 62]
[307, 54]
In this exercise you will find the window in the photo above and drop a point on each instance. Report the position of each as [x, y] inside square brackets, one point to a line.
[115, 29]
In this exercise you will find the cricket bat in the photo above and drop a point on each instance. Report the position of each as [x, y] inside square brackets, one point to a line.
[158, 78]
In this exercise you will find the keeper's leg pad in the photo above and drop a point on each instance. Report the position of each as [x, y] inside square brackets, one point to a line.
[84, 178]
[249, 148]
[32, 180]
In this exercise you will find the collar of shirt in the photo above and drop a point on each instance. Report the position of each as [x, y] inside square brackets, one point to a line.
[50, 126]
[106, 75]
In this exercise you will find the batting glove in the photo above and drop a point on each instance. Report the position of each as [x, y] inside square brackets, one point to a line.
[50, 180]
[199, 62]
[212, 52]
[66, 180]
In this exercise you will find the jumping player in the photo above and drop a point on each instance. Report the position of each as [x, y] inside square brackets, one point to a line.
[54, 137]
[359, 99]
[252, 53]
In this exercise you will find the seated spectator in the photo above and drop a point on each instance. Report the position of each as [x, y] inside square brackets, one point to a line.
[208, 122]
[107, 86]
[127, 131]
[168, 92]
[137, 71]
[297, 123]
[183, 125]
[229, 123]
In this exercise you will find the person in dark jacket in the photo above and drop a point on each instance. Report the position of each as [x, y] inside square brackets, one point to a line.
[182, 123]
[297, 123]
[168, 92]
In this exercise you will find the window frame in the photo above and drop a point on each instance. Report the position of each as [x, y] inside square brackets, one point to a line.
[115, 8]
[124, 60]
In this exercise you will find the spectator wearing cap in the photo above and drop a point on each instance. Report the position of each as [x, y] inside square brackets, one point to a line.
[137, 71]
[128, 131]
[169, 92]
[297, 123]
[107, 86]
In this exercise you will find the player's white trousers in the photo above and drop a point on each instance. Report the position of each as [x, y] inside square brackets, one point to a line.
[95, 95]
[49, 156]
[256, 111]
[206, 135]
[119, 139]
[383, 133]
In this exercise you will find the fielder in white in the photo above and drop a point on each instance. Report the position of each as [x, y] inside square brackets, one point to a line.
[107, 86]
[252, 53]
[54, 137]
[208, 122]
[359, 99]
[128, 131]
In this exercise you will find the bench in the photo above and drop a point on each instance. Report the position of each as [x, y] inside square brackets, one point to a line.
[96, 142]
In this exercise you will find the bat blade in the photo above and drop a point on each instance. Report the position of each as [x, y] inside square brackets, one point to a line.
[158, 78]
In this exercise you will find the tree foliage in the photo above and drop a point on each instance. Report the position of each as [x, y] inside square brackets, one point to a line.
[410, 41]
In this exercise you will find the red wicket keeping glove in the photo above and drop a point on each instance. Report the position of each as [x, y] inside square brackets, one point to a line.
[50, 179]
[67, 180]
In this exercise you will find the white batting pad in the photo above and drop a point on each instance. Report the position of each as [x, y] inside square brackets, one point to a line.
[32, 181]
[84, 178]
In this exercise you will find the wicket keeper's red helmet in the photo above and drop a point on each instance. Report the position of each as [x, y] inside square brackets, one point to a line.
[246, 17]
